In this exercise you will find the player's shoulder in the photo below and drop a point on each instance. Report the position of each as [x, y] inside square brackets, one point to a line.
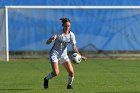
[71, 33]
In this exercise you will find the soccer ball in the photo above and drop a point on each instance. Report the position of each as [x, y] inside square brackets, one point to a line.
[76, 58]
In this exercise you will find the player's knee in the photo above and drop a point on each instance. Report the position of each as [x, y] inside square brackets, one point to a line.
[71, 73]
[56, 73]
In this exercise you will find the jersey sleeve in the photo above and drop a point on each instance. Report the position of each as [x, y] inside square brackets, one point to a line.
[73, 40]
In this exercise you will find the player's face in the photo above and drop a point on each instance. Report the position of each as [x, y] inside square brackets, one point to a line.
[66, 26]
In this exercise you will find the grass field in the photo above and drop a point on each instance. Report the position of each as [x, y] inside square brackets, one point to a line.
[91, 76]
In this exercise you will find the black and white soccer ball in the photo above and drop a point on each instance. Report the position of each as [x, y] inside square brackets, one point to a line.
[76, 58]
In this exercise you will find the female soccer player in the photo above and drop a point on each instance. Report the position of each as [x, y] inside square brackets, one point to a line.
[58, 53]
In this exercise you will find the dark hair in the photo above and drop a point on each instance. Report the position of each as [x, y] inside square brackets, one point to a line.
[64, 20]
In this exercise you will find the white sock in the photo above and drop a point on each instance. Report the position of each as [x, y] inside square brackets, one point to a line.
[49, 76]
[70, 80]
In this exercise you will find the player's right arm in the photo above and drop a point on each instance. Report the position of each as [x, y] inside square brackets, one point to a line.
[75, 49]
[51, 39]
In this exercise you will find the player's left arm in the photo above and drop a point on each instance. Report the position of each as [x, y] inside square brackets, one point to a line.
[75, 49]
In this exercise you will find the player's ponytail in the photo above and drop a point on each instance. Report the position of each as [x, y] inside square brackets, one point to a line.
[64, 20]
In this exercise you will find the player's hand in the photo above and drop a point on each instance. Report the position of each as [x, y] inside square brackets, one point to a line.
[53, 37]
[83, 57]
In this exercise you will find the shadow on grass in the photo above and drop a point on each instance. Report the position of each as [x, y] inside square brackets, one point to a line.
[10, 89]
[15, 89]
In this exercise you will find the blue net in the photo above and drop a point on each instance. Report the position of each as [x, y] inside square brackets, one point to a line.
[104, 29]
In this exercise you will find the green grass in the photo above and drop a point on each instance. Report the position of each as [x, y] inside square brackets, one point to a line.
[91, 76]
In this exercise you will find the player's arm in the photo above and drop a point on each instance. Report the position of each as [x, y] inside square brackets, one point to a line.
[51, 39]
[75, 49]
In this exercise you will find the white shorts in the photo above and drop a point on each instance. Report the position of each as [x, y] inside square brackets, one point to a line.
[61, 60]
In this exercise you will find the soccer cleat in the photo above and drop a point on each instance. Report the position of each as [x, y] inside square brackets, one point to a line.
[69, 86]
[45, 83]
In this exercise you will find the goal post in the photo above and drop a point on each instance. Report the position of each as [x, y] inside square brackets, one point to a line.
[6, 34]
[75, 7]
[35, 46]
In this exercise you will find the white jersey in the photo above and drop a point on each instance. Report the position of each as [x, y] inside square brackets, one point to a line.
[60, 45]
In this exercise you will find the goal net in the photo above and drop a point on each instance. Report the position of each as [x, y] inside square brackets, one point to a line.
[101, 31]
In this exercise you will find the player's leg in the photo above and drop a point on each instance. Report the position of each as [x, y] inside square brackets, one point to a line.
[70, 71]
[54, 73]
[55, 70]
